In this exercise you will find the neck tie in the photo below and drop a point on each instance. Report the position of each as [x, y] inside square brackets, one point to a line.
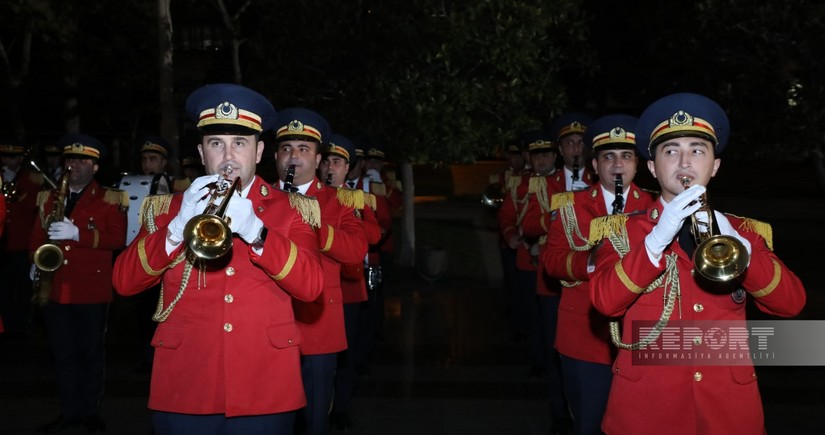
[686, 239]
[73, 197]
[351, 184]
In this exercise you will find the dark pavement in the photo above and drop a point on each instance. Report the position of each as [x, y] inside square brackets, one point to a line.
[446, 365]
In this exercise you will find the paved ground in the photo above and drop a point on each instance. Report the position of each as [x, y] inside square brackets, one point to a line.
[446, 366]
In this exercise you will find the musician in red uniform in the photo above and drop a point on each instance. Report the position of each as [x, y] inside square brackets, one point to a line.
[226, 348]
[582, 336]
[299, 134]
[92, 229]
[20, 187]
[333, 169]
[644, 272]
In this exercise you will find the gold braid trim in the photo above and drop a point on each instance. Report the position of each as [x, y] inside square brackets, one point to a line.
[569, 264]
[626, 279]
[144, 261]
[777, 275]
[330, 236]
[351, 198]
[538, 187]
[95, 238]
[307, 207]
[513, 183]
[157, 204]
[116, 197]
[290, 262]
[762, 228]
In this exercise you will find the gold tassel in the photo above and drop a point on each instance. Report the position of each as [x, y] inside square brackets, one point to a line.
[513, 182]
[538, 187]
[764, 229]
[370, 200]
[605, 226]
[560, 200]
[158, 203]
[307, 207]
[351, 198]
[117, 197]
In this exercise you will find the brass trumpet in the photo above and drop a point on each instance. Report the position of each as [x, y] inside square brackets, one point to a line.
[717, 257]
[207, 235]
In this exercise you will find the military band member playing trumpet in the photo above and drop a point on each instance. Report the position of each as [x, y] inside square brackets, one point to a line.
[645, 272]
[90, 228]
[582, 335]
[226, 348]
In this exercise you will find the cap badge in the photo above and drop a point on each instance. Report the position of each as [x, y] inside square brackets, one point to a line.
[681, 118]
[226, 110]
[77, 147]
[296, 125]
[618, 133]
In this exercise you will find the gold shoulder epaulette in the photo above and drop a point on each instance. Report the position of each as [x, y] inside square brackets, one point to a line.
[764, 229]
[307, 207]
[351, 198]
[538, 187]
[116, 196]
[42, 197]
[378, 189]
[371, 201]
[604, 226]
[561, 199]
[158, 203]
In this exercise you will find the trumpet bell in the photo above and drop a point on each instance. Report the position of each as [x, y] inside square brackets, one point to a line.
[720, 258]
[48, 257]
[207, 236]
[492, 197]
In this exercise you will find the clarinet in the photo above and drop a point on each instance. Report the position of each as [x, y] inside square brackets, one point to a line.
[575, 168]
[328, 181]
[618, 203]
[290, 176]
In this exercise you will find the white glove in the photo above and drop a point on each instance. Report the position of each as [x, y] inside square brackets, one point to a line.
[673, 214]
[64, 230]
[32, 272]
[373, 174]
[727, 229]
[195, 194]
[242, 219]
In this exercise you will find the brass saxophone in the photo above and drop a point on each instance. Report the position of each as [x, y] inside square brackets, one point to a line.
[49, 257]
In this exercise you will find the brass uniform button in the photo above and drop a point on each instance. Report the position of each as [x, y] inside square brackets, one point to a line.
[68, 248]
[230, 271]
[228, 299]
[697, 376]
[227, 327]
[698, 308]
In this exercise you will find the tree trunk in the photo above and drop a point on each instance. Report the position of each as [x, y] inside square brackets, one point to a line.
[168, 128]
[407, 255]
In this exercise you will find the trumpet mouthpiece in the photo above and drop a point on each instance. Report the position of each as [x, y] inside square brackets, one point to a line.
[686, 182]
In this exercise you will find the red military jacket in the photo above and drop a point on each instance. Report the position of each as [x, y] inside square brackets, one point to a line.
[689, 398]
[582, 332]
[353, 282]
[511, 214]
[532, 225]
[86, 274]
[341, 240]
[382, 212]
[230, 345]
[21, 212]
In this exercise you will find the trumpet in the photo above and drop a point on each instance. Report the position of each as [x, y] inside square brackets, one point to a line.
[717, 257]
[207, 236]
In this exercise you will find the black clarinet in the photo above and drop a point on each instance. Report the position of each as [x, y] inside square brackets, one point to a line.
[328, 181]
[290, 176]
[575, 168]
[618, 202]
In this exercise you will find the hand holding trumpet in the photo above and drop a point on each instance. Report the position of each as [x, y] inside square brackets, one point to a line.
[674, 213]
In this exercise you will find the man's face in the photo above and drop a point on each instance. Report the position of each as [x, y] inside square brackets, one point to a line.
[53, 160]
[152, 163]
[609, 163]
[571, 147]
[83, 171]
[242, 153]
[544, 162]
[334, 168]
[682, 157]
[356, 170]
[516, 160]
[303, 154]
[12, 162]
[373, 163]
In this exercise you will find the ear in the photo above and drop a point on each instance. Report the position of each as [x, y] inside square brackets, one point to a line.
[595, 162]
[259, 152]
[317, 160]
[652, 168]
[716, 164]
[200, 152]
[95, 167]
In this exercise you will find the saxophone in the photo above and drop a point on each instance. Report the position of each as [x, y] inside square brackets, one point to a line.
[49, 257]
